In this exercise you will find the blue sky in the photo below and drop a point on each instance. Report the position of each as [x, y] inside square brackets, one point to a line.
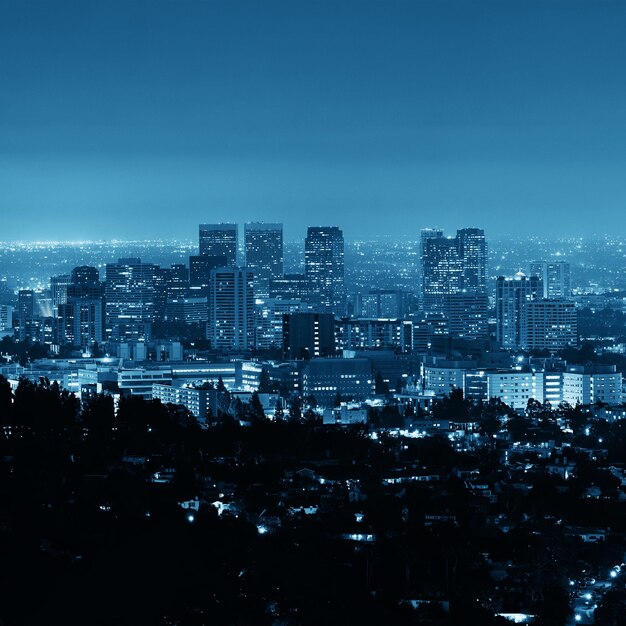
[130, 119]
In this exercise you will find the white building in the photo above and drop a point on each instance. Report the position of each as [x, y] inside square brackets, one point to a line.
[516, 388]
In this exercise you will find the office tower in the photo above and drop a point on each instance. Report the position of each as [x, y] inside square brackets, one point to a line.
[81, 317]
[289, 287]
[58, 290]
[81, 322]
[307, 335]
[380, 303]
[42, 303]
[85, 275]
[25, 304]
[425, 235]
[176, 281]
[85, 283]
[442, 269]
[511, 296]
[219, 240]
[6, 317]
[130, 296]
[264, 254]
[231, 309]
[454, 279]
[555, 276]
[200, 268]
[172, 283]
[467, 314]
[269, 321]
[324, 268]
[549, 325]
[188, 310]
[472, 249]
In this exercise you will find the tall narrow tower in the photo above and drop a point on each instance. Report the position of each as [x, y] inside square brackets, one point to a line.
[324, 268]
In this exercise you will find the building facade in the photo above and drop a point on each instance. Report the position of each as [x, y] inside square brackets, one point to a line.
[264, 254]
[324, 268]
[231, 309]
[219, 240]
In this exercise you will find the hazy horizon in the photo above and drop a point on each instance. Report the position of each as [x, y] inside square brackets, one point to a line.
[131, 119]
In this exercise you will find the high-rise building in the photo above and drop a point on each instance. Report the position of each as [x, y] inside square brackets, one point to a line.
[290, 287]
[85, 275]
[454, 279]
[26, 306]
[192, 310]
[269, 321]
[472, 248]
[264, 254]
[380, 303]
[442, 269]
[172, 283]
[452, 265]
[80, 322]
[308, 335]
[130, 296]
[58, 290]
[6, 317]
[324, 268]
[467, 314]
[200, 268]
[231, 309]
[425, 235]
[511, 296]
[82, 316]
[555, 276]
[549, 325]
[219, 240]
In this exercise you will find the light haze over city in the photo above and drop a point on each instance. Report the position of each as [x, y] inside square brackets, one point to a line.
[141, 119]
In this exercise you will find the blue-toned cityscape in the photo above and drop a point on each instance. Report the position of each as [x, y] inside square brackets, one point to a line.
[507, 352]
[312, 313]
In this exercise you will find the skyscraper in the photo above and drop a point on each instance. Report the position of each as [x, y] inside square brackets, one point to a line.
[130, 299]
[264, 254]
[200, 268]
[511, 296]
[219, 240]
[308, 335]
[81, 317]
[442, 269]
[231, 309]
[555, 276]
[472, 248]
[549, 325]
[454, 279]
[324, 268]
[58, 290]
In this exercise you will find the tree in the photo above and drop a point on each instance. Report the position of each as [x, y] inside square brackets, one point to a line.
[97, 414]
[295, 409]
[256, 408]
[279, 413]
[265, 384]
[6, 398]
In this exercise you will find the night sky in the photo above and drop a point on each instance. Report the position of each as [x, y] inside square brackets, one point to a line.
[140, 119]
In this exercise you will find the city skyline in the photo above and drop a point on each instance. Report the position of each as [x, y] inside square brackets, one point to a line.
[312, 312]
[136, 119]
